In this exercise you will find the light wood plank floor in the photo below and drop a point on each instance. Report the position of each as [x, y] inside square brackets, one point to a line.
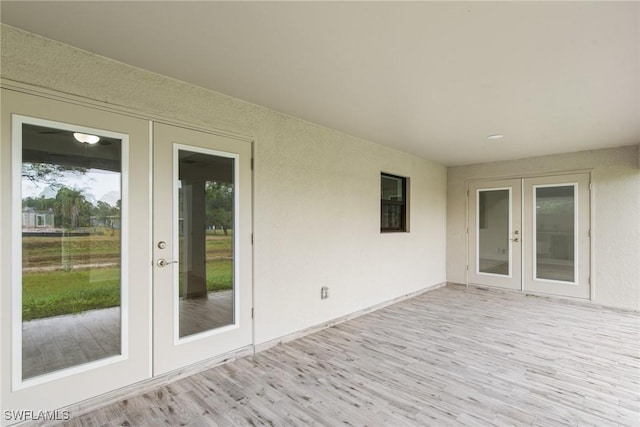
[59, 342]
[445, 358]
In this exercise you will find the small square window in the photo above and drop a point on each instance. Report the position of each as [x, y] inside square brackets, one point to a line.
[393, 203]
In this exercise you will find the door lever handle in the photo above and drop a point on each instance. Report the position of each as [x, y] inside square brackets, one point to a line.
[515, 240]
[163, 262]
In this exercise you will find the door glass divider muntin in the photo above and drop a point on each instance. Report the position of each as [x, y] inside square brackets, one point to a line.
[177, 340]
[17, 381]
[534, 233]
[477, 230]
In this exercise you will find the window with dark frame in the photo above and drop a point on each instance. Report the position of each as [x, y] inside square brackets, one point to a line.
[393, 203]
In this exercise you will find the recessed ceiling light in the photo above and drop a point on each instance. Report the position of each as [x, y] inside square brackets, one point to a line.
[496, 136]
[85, 138]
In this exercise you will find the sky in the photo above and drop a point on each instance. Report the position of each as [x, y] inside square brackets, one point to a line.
[96, 184]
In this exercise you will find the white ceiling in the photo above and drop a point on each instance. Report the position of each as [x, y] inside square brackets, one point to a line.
[429, 78]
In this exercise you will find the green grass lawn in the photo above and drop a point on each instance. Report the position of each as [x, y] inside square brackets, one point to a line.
[58, 292]
[54, 293]
[219, 275]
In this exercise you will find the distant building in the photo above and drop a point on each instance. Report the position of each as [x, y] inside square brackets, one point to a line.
[110, 221]
[32, 218]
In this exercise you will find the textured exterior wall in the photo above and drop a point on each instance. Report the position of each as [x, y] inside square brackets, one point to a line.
[616, 215]
[316, 190]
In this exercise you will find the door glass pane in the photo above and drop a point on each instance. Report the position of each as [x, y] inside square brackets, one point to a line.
[71, 251]
[493, 231]
[206, 245]
[555, 233]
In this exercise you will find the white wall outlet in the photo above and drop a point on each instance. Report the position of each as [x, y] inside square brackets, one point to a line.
[324, 292]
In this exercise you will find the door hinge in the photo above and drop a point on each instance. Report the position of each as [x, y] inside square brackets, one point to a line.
[467, 268]
[467, 230]
[251, 164]
[467, 193]
[252, 238]
[252, 312]
[589, 233]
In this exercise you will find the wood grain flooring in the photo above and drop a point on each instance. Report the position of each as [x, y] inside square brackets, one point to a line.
[59, 342]
[203, 314]
[54, 343]
[449, 357]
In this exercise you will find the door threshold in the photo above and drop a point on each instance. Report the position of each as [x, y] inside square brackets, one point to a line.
[584, 302]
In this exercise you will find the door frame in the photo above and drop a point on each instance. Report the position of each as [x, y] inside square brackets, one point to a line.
[213, 343]
[522, 177]
[580, 287]
[66, 386]
[48, 395]
[513, 279]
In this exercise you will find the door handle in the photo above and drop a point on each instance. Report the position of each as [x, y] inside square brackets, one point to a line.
[515, 240]
[163, 262]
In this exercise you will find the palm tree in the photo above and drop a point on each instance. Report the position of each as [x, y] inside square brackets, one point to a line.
[71, 205]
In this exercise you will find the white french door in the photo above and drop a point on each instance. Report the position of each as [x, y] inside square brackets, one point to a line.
[119, 261]
[531, 234]
[557, 253]
[75, 276]
[202, 246]
[495, 233]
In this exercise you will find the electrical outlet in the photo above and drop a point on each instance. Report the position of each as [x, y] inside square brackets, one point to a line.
[324, 292]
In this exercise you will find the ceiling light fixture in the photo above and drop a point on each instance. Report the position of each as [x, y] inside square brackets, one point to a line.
[496, 136]
[85, 138]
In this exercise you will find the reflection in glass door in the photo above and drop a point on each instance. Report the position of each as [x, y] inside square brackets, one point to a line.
[554, 230]
[206, 199]
[494, 228]
[70, 286]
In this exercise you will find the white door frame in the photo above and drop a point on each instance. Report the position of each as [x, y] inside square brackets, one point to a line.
[512, 280]
[171, 352]
[579, 287]
[88, 382]
[586, 202]
[66, 386]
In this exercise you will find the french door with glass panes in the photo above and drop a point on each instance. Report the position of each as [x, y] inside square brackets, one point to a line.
[117, 264]
[531, 234]
[556, 216]
[75, 267]
[202, 246]
[495, 233]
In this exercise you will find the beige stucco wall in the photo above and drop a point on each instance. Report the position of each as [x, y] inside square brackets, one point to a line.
[615, 212]
[316, 190]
